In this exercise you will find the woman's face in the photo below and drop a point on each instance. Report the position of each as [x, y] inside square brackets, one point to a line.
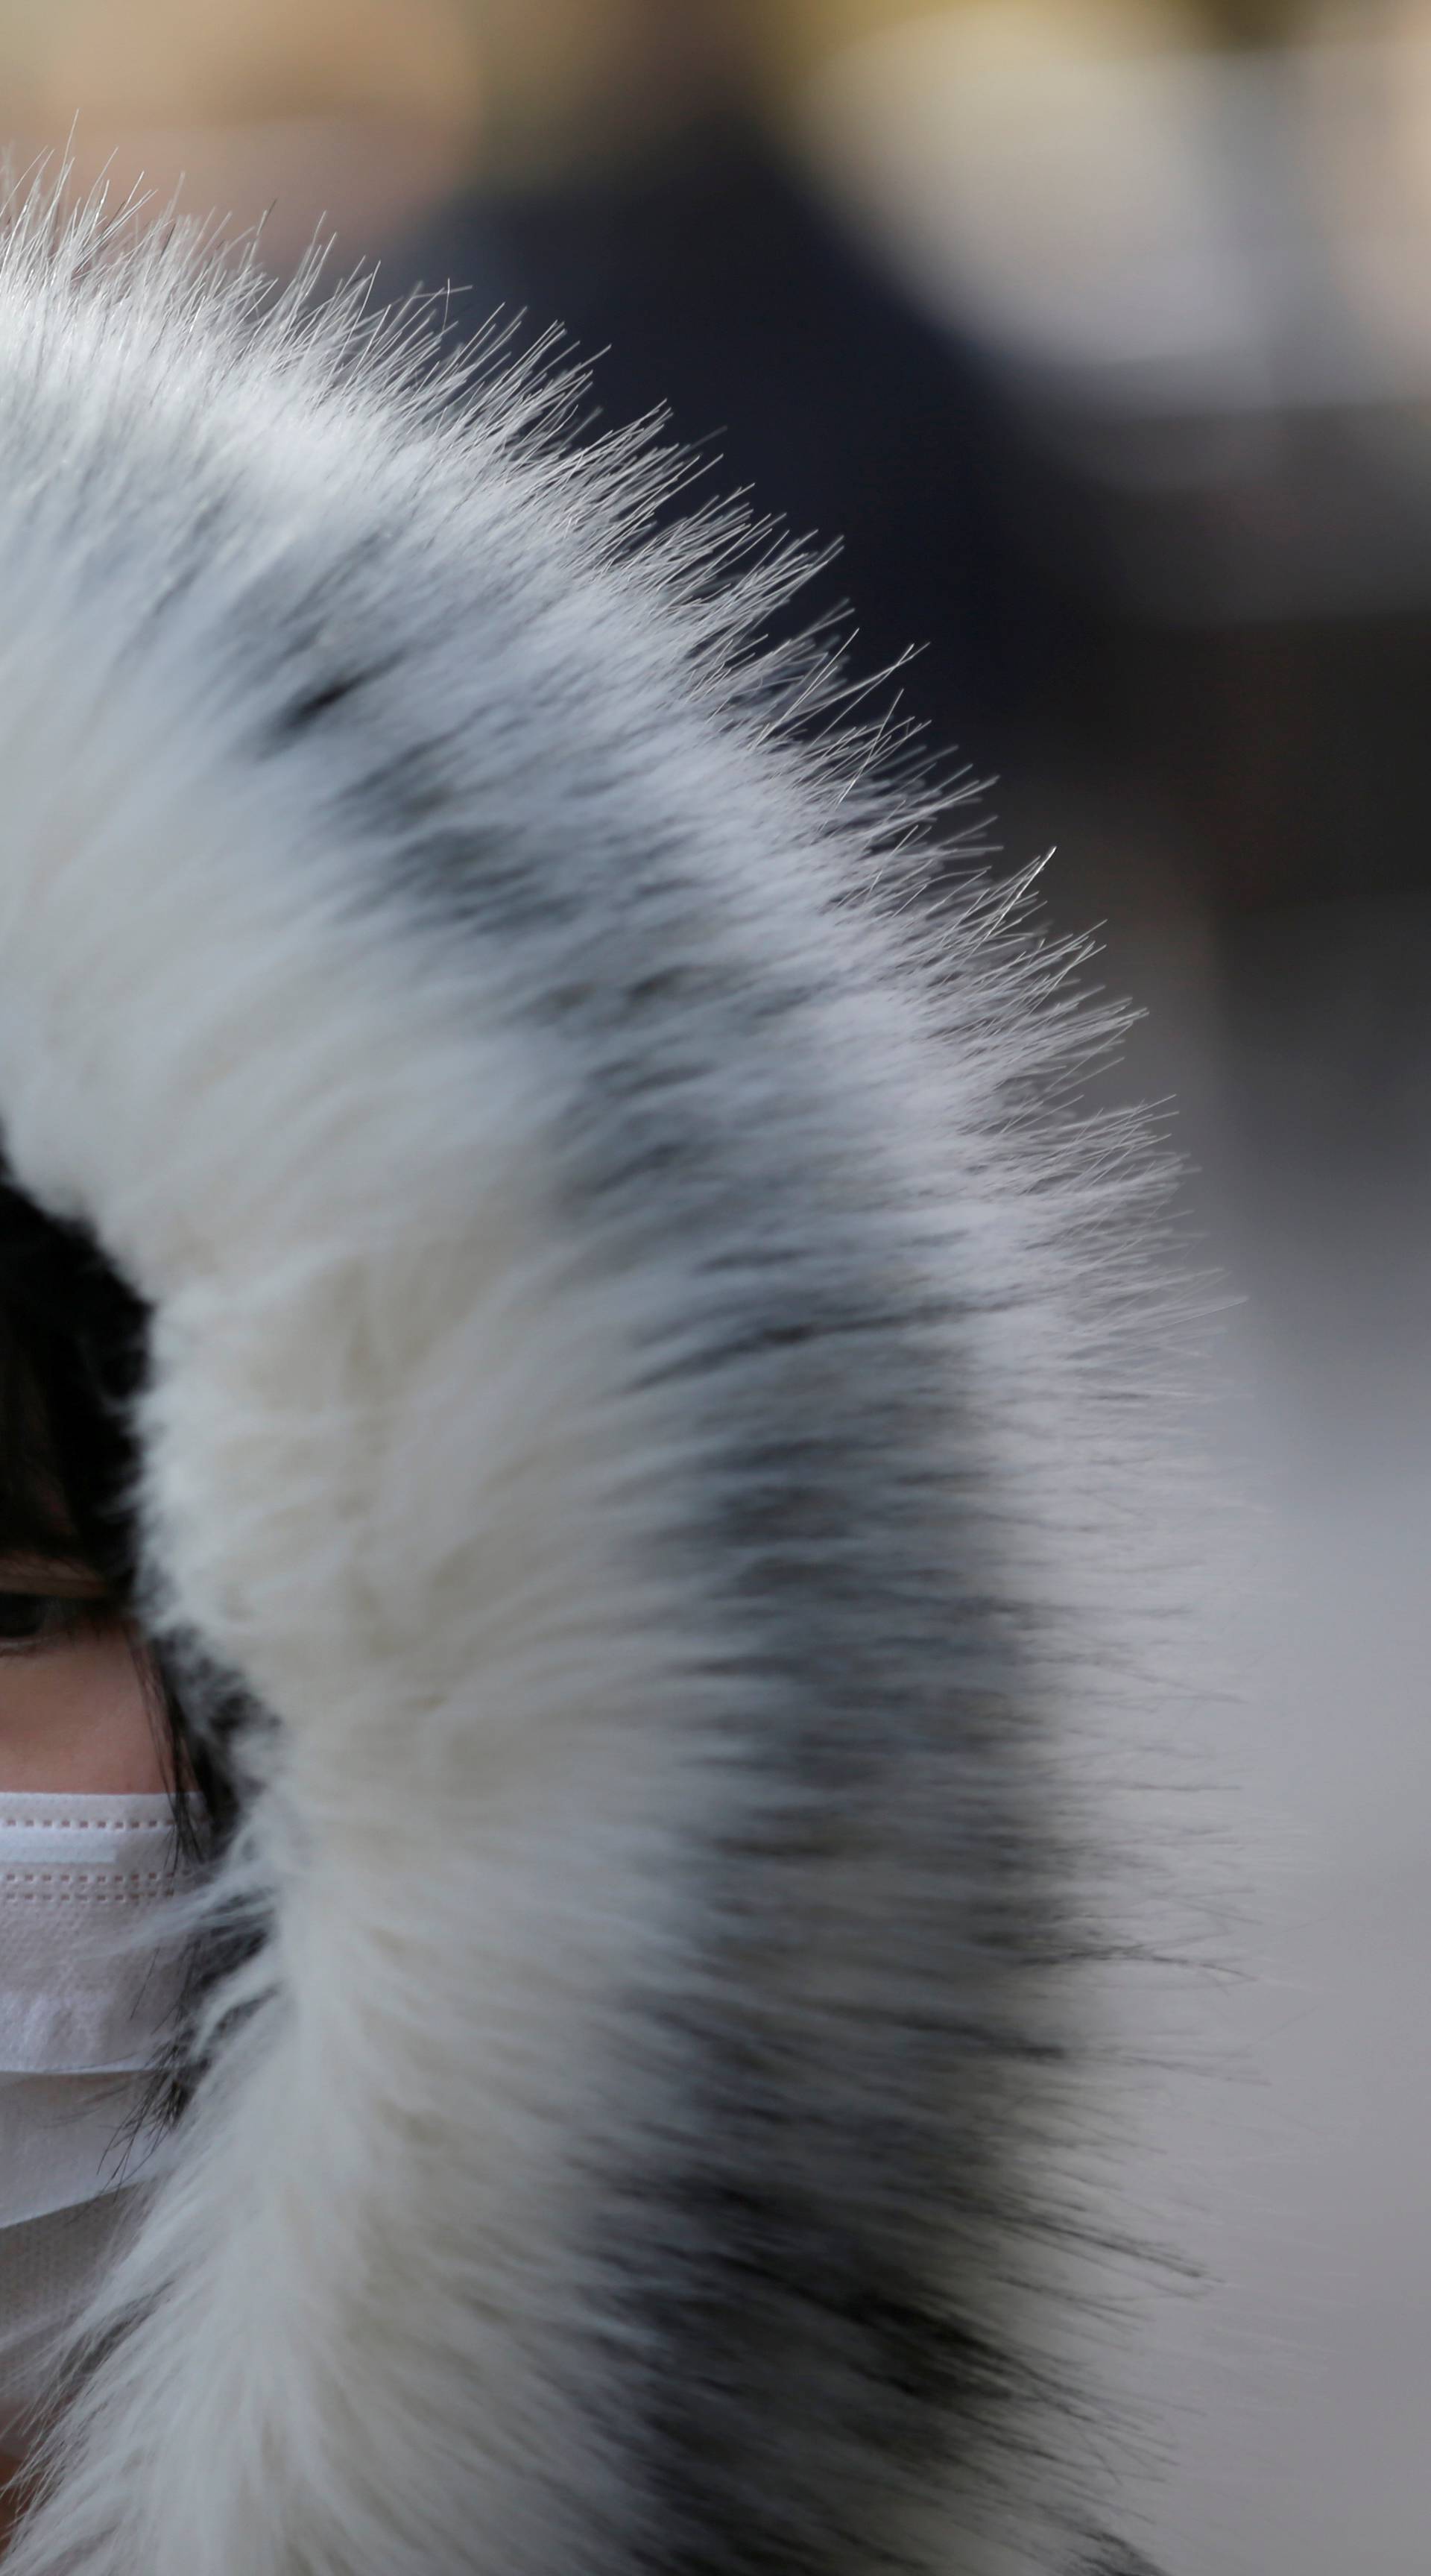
[74, 1710]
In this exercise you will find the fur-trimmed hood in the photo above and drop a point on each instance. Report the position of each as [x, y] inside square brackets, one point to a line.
[624, 1401]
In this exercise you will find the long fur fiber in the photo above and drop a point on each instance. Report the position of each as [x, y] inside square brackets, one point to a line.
[630, 1399]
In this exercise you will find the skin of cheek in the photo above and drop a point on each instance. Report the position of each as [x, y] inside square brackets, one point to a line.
[77, 1717]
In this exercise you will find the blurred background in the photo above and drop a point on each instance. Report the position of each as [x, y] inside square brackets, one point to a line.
[1099, 334]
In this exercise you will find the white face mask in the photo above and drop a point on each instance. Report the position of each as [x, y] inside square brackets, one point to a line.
[88, 1988]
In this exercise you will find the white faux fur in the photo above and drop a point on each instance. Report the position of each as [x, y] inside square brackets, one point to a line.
[625, 1397]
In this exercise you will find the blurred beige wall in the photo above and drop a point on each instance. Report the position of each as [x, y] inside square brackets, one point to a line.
[351, 115]
[310, 115]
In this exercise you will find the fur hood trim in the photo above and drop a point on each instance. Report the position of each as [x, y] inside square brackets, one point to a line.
[625, 1399]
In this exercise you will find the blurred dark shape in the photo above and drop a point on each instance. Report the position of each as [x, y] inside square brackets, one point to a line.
[715, 286]
[1239, 658]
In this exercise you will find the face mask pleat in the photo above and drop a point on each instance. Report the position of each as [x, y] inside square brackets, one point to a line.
[79, 1878]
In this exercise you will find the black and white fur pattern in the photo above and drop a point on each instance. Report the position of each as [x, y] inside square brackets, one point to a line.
[630, 1396]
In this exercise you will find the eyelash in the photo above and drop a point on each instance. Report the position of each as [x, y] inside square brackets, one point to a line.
[64, 1618]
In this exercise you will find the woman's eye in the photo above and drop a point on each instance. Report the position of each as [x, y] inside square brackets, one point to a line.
[44, 1618]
